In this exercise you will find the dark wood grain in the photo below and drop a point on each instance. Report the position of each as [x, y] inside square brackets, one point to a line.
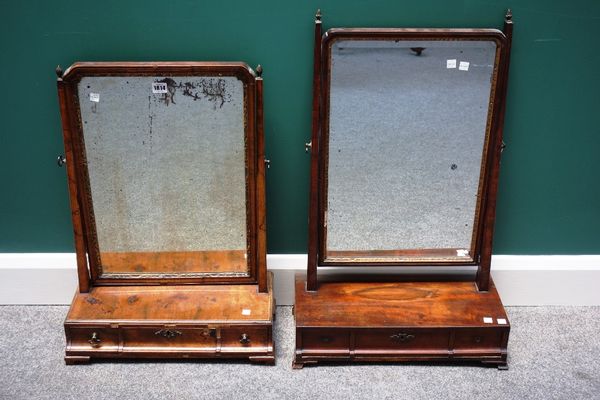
[395, 304]
[261, 203]
[496, 143]
[313, 210]
[83, 274]
[399, 321]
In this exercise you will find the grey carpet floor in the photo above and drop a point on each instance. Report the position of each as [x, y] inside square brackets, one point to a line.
[554, 353]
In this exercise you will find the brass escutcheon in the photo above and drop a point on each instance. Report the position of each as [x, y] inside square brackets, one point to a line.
[402, 337]
[95, 340]
[244, 339]
[168, 333]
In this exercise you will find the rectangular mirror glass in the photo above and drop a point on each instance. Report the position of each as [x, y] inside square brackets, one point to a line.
[166, 159]
[406, 128]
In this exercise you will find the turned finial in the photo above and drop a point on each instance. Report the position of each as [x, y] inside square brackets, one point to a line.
[318, 15]
[508, 16]
[59, 71]
[259, 70]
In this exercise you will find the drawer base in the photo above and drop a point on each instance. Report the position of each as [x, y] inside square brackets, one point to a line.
[502, 365]
[83, 360]
[266, 357]
[447, 322]
[171, 322]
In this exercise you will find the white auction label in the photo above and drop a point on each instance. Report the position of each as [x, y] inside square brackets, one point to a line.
[95, 97]
[159, 87]
[463, 66]
[501, 321]
[462, 253]
[450, 63]
[246, 311]
[488, 320]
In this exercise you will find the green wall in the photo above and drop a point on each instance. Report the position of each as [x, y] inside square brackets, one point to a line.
[549, 200]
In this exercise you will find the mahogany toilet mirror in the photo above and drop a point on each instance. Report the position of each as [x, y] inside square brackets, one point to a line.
[405, 148]
[166, 168]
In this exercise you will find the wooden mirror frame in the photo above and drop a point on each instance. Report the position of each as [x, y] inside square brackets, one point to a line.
[486, 207]
[89, 268]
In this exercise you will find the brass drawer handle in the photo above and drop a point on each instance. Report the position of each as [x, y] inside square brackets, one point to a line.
[95, 340]
[168, 333]
[402, 337]
[244, 339]
[326, 339]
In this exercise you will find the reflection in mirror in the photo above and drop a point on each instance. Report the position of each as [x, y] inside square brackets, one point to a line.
[166, 164]
[407, 130]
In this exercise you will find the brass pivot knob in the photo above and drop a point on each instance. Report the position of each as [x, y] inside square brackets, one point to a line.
[244, 339]
[502, 146]
[95, 340]
[61, 160]
[307, 146]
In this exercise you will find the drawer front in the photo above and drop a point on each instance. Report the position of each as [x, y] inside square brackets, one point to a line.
[169, 338]
[94, 338]
[241, 337]
[401, 339]
[315, 339]
[473, 339]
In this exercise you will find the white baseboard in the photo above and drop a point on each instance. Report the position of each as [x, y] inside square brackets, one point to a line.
[51, 278]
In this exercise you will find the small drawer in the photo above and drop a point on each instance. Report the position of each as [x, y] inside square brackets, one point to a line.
[98, 338]
[402, 339]
[244, 337]
[315, 339]
[469, 339]
[169, 338]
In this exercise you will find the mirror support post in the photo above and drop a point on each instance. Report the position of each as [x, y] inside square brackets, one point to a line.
[483, 270]
[261, 265]
[313, 209]
[82, 269]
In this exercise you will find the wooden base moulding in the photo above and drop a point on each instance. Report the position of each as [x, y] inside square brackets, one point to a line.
[399, 322]
[202, 321]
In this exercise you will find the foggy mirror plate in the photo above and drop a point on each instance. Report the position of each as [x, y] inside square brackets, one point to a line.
[166, 163]
[407, 130]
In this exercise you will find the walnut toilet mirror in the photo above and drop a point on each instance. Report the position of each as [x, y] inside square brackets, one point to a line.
[405, 153]
[166, 168]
